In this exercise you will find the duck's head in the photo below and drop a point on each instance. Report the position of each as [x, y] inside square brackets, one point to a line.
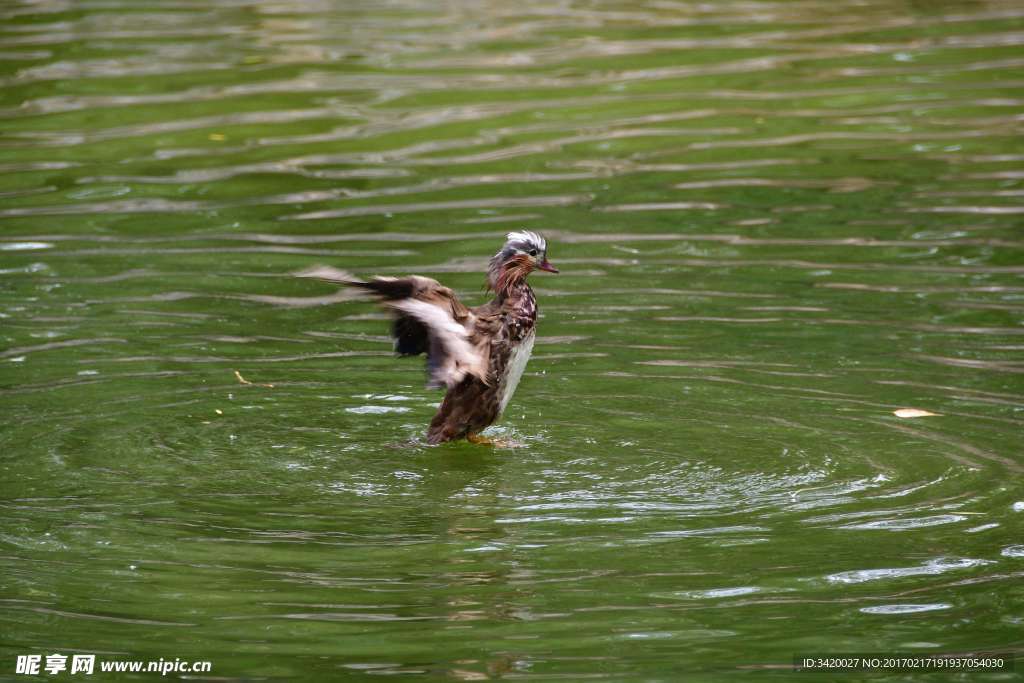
[522, 253]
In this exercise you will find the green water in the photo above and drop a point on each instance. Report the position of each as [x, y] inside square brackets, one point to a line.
[777, 223]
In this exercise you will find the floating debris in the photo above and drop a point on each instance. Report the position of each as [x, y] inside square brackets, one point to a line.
[913, 412]
[253, 384]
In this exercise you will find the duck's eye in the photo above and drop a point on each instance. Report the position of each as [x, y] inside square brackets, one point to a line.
[533, 252]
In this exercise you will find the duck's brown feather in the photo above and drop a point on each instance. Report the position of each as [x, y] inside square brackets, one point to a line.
[473, 405]
[468, 349]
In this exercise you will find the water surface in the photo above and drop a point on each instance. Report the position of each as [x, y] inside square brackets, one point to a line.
[777, 224]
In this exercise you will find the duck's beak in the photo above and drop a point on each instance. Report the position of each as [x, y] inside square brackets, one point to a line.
[544, 265]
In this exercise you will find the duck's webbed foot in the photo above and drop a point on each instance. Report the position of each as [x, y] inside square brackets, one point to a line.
[493, 443]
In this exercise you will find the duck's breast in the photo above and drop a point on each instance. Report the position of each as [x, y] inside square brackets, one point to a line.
[517, 360]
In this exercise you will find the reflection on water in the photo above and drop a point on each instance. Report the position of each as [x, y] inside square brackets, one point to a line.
[778, 225]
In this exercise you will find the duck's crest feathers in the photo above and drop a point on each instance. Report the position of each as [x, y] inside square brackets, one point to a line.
[527, 236]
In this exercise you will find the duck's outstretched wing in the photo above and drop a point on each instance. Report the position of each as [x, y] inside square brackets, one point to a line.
[428, 318]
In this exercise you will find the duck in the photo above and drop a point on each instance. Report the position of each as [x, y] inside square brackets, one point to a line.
[476, 354]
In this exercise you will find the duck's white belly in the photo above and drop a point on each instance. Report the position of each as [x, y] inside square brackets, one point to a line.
[517, 361]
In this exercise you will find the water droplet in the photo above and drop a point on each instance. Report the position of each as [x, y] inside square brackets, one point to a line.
[376, 410]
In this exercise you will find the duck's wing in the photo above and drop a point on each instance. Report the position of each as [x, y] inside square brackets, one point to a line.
[428, 318]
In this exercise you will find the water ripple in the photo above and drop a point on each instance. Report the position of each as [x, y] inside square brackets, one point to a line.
[777, 223]
[931, 567]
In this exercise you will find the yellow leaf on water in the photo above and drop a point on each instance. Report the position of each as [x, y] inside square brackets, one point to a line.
[254, 384]
[913, 412]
